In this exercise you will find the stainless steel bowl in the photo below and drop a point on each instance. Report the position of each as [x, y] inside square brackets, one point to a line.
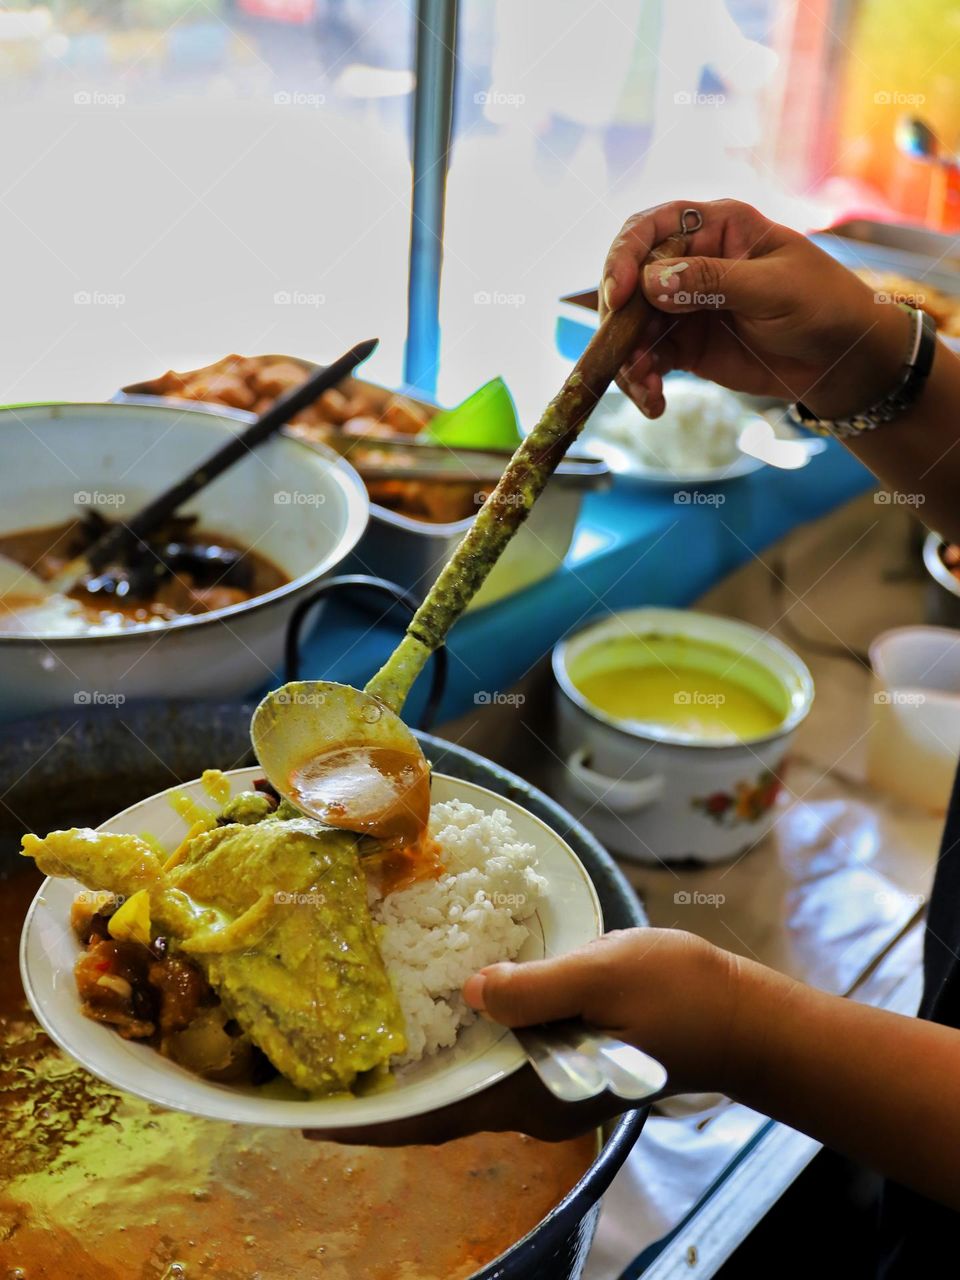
[412, 552]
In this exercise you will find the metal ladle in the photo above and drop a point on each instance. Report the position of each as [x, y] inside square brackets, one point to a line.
[308, 726]
[323, 723]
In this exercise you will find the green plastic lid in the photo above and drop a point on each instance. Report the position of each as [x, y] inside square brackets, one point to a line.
[485, 420]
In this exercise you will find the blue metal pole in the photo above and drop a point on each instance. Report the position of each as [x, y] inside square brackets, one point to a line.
[432, 132]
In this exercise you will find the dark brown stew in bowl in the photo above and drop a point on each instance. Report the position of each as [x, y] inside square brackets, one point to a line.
[180, 569]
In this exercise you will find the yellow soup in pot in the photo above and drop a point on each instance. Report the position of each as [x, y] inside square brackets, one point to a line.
[678, 687]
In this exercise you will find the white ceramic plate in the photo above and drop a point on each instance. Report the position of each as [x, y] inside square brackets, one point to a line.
[484, 1054]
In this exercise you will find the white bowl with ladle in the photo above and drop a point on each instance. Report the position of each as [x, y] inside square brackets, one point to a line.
[299, 505]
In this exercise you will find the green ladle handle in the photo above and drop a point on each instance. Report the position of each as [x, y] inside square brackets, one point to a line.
[521, 484]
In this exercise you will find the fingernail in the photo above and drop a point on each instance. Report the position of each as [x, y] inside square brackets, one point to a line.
[473, 991]
[639, 395]
[609, 287]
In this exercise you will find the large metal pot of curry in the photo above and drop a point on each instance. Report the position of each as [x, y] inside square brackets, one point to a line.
[97, 1184]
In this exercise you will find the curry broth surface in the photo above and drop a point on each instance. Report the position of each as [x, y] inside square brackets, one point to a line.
[97, 1185]
[49, 549]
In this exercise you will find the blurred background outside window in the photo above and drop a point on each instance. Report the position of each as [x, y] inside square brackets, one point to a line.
[182, 178]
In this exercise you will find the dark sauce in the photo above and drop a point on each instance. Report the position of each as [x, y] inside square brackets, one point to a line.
[180, 570]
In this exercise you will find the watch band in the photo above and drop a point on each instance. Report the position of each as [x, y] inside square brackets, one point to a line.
[919, 361]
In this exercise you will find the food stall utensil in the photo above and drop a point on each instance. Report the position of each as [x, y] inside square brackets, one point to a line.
[576, 1062]
[346, 757]
[120, 540]
[302, 730]
[487, 419]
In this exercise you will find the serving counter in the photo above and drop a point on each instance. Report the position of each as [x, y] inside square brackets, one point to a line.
[834, 896]
[634, 546]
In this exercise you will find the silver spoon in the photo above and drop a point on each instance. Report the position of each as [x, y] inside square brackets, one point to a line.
[576, 1062]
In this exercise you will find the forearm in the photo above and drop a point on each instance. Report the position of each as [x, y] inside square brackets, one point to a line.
[877, 1086]
[918, 453]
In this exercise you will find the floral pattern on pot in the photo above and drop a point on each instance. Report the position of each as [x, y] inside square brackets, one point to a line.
[747, 802]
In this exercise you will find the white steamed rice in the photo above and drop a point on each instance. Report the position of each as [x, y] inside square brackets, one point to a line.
[437, 933]
[698, 431]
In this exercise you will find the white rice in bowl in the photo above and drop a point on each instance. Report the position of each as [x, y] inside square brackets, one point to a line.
[437, 933]
[698, 430]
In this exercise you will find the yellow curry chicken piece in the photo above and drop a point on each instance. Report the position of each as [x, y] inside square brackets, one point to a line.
[276, 916]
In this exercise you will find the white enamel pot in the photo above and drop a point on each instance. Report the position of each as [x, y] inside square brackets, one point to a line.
[299, 505]
[655, 796]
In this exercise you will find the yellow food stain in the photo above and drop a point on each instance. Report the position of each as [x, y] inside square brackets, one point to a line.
[184, 805]
[216, 784]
